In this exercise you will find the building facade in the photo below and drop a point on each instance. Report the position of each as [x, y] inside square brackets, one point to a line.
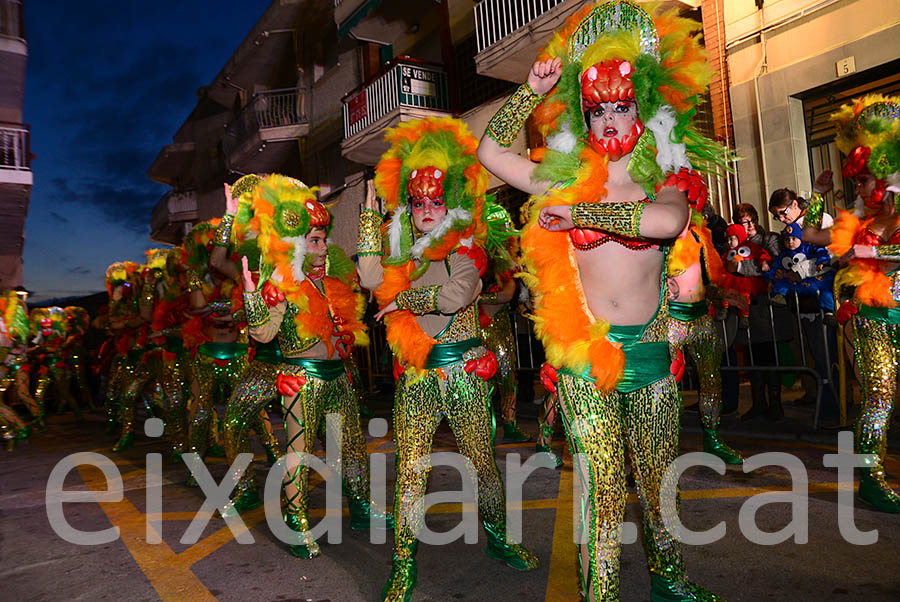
[15, 154]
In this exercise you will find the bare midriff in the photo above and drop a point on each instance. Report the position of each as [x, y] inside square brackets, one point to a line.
[621, 286]
[223, 332]
[687, 287]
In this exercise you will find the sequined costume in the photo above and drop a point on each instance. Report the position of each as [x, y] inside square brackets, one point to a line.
[868, 133]
[441, 365]
[75, 353]
[53, 374]
[309, 302]
[614, 383]
[121, 323]
[14, 368]
[694, 267]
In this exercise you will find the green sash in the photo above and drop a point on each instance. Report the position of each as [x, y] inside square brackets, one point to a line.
[223, 351]
[444, 354]
[327, 370]
[269, 353]
[891, 315]
[688, 312]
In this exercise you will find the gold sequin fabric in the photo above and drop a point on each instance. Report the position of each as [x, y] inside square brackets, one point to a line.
[56, 379]
[621, 218]
[505, 125]
[369, 240]
[304, 416]
[462, 327]
[600, 428]
[419, 300]
[17, 380]
[419, 407]
[498, 338]
[255, 309]
[115, 386]
[141, 378]
[289, 339]
[699, 341]
[215, 380]
[222, 236]
[242, 414]
[878, 356]
[176, 376]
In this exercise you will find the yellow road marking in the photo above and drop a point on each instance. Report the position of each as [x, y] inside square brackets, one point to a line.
[562, 583]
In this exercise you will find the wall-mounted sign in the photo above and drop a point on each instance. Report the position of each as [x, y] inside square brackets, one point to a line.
[846, 66]
[418, 81]
[358, 108]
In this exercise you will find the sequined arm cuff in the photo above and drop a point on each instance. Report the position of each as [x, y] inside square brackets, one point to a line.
[419, 300]
[255, 309]
[621, 218]
[489, 298]
[369, 241]
[891, 252]
[504, 126]
[222, 237]
[220, 306]
[147, 295]
[814, 211]
[239, 316]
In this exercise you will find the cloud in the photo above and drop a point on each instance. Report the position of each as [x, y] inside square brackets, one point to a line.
[59, 217]
[79, 270]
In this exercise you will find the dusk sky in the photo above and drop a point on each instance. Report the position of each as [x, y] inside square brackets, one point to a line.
[108, 84]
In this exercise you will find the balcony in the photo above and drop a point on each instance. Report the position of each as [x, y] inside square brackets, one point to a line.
[258, 139]
[511, 32]
[15, 154]
[173, 217]
[12, 27]
[407, 90]
[174, 165]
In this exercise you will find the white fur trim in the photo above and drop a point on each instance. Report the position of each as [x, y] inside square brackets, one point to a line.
[299, 243]
[562, 141]
[670, 156]
[453, 216]
[395, 231]
[893, 181]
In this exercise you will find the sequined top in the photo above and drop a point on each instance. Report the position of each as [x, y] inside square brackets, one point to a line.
[281, 323]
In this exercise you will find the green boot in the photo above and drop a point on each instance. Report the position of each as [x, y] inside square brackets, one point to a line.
[308, 548]
[362, 513]
[678, 590]
[24, 432]
[243, 503]
[546, 449]
[403, 575]
[512, 554]
[512, 434]
[175, 458]
[124, 443]
[215, 451]
[712, 444]
[271, 456]
[874, 490]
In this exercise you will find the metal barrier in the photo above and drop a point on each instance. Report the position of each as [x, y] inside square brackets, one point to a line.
[496, 19]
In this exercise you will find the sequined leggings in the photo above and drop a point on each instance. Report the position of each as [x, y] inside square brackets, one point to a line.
[115, 386]
[418, 410]
[600, 429]
[17, 381]
[176, 374]
[244, 413]
[56, 377]
[547, 420]
[700, 342]
[213, 378]
[141, 379]
[304, 418]
[878, 355]
[498, 338]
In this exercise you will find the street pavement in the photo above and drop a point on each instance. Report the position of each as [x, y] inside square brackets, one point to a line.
[36, 564]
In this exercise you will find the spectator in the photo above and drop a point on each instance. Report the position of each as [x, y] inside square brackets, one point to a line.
[746, 215]
[717, 225]
[788, 208]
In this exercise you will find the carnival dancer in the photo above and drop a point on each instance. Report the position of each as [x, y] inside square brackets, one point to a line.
[694, 268]
[868, 133]
[75, 353]
[426, 278]
[621, 87]
[145, 366]
[50, 324]
[165, 301]
[494, 318]
[215, 338]
[14, 368]
[308, 299]
[247, 407]
[121, 322]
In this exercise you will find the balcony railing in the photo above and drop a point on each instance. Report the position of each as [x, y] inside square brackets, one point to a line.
[496, 19]
[12, 19]
[269, 109]
[172, 209]
[405, 83]
[14, 147]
